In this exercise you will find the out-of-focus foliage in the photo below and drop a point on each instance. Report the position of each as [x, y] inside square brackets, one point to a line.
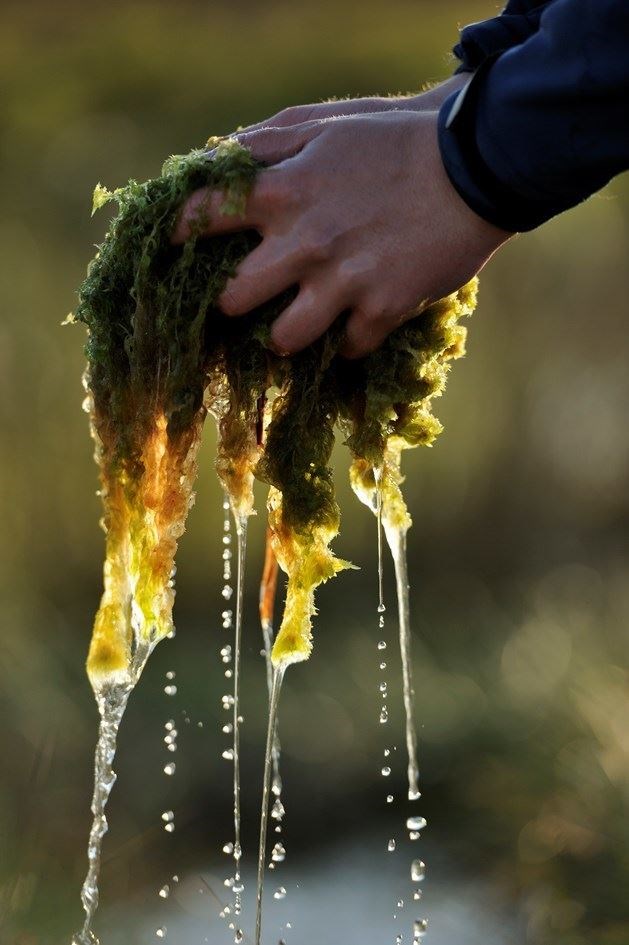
[519, 560]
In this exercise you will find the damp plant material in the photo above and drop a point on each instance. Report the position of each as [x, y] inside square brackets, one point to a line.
[161, 356]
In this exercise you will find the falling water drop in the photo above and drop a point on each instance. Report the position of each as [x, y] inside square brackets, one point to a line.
[391, 846]
[280, 893]
[386, 771]
[418, 871]
[170, 768]
[164, 891]
[420, 927]
[278, 854]
[161, 931]
[415, 823]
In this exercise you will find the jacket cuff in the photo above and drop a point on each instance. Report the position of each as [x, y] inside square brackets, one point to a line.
[472, 176]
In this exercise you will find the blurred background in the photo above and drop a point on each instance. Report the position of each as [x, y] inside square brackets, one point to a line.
[519, 555]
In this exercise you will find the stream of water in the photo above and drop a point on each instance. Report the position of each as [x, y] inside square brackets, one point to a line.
[111, 701]
[396, 539]
[278, 677]
[241, 538]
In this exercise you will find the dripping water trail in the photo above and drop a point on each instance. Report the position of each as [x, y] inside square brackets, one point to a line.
[268, 588]
[396, 539]
[241, 538]
[278, 677]
[112, 703]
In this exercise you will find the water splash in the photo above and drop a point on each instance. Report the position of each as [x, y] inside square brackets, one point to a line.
[278, 809]
[112, 702]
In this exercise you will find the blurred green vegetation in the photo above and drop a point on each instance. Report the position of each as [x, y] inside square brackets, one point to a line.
[519, 555]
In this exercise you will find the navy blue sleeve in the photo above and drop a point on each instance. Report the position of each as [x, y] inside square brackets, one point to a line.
[519, 20]
[545, 124]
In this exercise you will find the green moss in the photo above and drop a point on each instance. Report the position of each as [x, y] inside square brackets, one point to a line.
[159, 346]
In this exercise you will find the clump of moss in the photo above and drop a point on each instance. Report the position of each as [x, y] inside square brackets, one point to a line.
[161, 356]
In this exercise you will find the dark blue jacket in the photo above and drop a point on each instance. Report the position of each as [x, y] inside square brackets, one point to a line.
[544, 121]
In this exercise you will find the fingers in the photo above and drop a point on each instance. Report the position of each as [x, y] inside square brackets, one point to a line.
[272, 145]
[305, 319]
[268, 270]
[363, 334]
[293, 115]
[201, 215]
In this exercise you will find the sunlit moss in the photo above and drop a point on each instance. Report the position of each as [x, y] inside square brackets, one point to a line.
[161, 355]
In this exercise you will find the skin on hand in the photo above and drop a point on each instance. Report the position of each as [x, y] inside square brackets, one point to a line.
[358, 212]
[429, 100]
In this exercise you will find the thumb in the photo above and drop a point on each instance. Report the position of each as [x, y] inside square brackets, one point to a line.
[272, 145]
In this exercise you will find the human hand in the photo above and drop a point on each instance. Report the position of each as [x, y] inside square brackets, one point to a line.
[429, 100]
[359, 212]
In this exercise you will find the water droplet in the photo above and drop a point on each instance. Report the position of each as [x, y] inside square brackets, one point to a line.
[384, 715]
[414, 794]
[387, 752]
[400, 903]
[399, 939]
[381, 622]
[226, 654]
[169, 725]
[391, 846]
[238, 936]
[170, 690]
[170, 768]
[381, 608]
[227, 592]
[417, 895]
[278, 854]
[165, 891]
[168, 815]
[228, 674]
[415, 823]
[228, 754]
[386, 771]
[278, 810]
[382, 644]
[420, 927]
[383, 687]
[228, 729]
[389, 798]
[383, 665]
[161, 932]
[280, 893]
[171, 674]
[418, 871]
[175, 878]
[228, 701]
[169, 828]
